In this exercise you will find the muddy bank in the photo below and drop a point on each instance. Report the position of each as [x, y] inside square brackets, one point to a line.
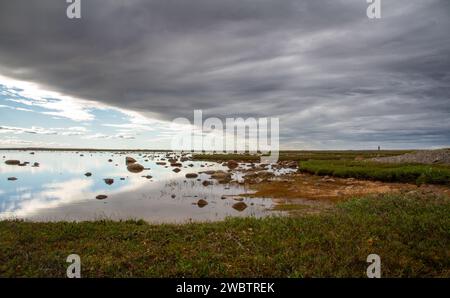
[307, 193]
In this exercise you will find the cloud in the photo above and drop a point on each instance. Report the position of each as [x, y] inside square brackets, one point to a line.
[15, 108]
[109, 137]
[329, 73]
[71, 131]
[33, 95]
[16, 142]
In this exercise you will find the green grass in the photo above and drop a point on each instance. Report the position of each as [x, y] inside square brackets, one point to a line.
[411, 173]
[301, 155]
[410, 233]
[226, 157]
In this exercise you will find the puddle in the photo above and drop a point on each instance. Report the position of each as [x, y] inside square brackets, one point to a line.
[58, 189]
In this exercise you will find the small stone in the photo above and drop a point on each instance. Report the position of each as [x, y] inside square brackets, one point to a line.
[135, 168]
[240, 206]
[130, 160]
[101, 197]
[232, 164]
[202, 203]
[12, 178]
[109, 181]
[206, 183]
[191, 175]
[88, 174]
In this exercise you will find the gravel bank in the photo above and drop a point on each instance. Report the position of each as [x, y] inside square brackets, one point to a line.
[441, 156]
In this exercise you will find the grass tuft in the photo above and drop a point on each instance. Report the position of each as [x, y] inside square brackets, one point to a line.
[409, 173]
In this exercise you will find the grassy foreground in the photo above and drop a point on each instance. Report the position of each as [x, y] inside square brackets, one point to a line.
[410, 173]
[410, 233]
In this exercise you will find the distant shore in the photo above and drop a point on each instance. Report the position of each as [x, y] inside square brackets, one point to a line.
[83, 149]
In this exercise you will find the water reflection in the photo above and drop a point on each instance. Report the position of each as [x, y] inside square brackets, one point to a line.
[59, 189]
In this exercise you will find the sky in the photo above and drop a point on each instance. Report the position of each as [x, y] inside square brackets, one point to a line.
[119, 76]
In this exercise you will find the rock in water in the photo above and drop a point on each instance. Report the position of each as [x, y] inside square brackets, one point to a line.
[221, 177]
[232, 164]
[191, 175]
[109, 181]
[13, 162]
[240, 206]
[88, 174]
[101, 197]
[12, 178]
[130, 160]
[202, 203]
[176, 170]
[206, 183]
[135, 168]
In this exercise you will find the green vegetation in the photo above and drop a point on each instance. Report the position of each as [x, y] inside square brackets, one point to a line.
[412, 173]
[226, 157]
[303, 155]
[410, 233]
[338, 155]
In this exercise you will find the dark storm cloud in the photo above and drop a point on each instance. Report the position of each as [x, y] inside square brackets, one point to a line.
[332, 75]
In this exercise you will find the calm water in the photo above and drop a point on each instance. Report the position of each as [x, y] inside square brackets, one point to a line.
[59, 190]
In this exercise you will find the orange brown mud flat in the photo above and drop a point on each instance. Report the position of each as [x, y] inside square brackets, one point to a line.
[300, 193]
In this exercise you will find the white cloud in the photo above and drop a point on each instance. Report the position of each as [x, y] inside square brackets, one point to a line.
[15, 142]
[15, 108]
[109, 137]
[58, 104]
[71, 131]
[96, 136]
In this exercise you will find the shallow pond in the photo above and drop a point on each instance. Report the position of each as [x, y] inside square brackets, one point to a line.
[58, 189]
